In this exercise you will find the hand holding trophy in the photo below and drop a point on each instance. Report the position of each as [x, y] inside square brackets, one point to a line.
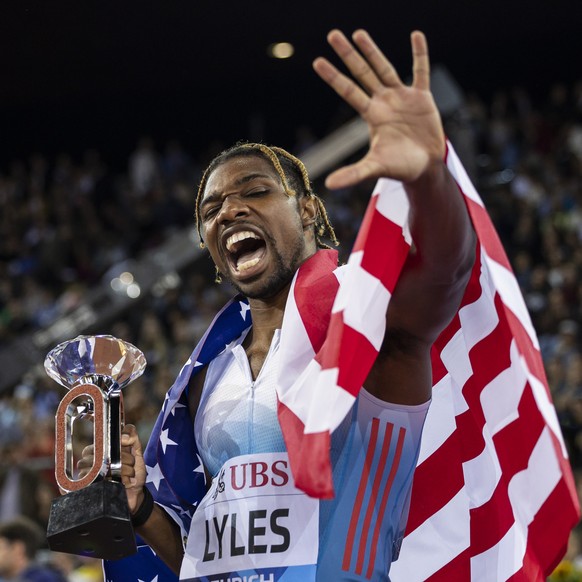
[92, 517]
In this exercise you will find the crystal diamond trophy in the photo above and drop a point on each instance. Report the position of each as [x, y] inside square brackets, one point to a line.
[92, 518]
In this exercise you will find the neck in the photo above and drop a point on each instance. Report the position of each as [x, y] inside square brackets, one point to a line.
[267, 316]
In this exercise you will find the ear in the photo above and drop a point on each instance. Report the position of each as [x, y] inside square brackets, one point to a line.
[308, 209]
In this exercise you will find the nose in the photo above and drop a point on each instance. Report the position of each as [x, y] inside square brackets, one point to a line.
[232, 207]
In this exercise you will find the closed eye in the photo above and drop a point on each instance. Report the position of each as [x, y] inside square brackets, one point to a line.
[256, 192]
[210, 212]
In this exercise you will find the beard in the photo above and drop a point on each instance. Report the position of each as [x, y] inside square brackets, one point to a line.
[279, 279]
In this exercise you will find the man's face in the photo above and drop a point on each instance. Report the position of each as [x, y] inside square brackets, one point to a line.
[7, 557]
[255, 232]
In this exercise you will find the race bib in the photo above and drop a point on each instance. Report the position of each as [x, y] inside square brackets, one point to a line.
[253, 525]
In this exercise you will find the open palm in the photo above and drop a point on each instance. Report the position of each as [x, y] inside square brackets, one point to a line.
[406, 134]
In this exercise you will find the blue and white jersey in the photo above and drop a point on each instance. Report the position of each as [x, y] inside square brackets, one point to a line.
[280, 533]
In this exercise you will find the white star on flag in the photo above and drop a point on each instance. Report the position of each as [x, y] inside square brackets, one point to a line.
[173, 412]
[165, 439]
[154, 476]
[185, 366]
[244, 307]
[181, 510]
[231, 344]
[154, 579]
[197, 364]
[200, 468]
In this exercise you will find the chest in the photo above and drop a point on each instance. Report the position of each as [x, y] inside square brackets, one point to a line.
[238, 412]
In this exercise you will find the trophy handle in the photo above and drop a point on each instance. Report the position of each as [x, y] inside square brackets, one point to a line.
[65, 417]
[116, 422]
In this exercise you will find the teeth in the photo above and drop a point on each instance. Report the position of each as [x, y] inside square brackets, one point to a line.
[247, 265]
[231, 240]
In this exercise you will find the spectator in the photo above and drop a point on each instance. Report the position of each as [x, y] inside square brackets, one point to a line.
[20, 542]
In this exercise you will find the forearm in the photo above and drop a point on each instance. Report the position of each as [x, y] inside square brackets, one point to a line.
[444, 239]
[436, 273]
[163, 535]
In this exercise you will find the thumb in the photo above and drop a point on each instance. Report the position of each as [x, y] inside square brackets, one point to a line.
[344, 177]
[352, 174]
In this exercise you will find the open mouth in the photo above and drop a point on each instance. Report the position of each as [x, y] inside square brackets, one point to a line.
[245, 250]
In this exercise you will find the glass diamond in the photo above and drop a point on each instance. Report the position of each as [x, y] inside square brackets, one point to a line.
[87, 355]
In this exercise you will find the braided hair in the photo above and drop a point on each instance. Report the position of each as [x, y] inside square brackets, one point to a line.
[293, 175]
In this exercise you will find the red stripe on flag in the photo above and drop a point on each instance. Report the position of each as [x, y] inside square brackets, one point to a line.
[472, 293]
[457, 570]
[486, 233]
[529, 352]
[350, 352]
[489, 358]
[515, 442]
[360, 495]
[530, 570]
[366, 224]
[546, 542]
[433, 486]
[546, 533]
[384, 501]
[308, 455]
[470, 429]
[389, 428]
[314, 292]
[377, 234]
[513, 446]
[496, 516]
[314, 472]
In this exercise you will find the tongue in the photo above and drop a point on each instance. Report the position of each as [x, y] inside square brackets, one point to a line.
[249, 259]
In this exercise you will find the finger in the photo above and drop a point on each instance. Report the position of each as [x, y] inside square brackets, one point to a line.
[354, 61]
[85, 463]
[127, 472]
[130, 438]
[128, 476]
[421, 61]
[127, 457]
[383, 68]
[351, 93]
[350, 175]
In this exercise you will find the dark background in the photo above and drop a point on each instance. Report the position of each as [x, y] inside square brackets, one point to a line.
[87, 74]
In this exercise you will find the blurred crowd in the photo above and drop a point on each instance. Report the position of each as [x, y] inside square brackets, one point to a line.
[65, 222]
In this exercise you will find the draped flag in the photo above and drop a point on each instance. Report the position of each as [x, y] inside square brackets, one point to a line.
[493, 496]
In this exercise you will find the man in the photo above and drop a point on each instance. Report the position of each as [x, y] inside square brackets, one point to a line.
[262, 226]
[20, 540]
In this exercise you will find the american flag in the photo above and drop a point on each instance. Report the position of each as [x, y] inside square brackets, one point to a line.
[493, 496]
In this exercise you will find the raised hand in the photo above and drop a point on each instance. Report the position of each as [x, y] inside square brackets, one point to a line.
[406, 133]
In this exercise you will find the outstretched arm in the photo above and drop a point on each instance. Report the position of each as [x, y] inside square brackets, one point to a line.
[407, 143]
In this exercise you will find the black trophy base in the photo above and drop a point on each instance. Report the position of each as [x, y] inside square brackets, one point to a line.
[93, 521]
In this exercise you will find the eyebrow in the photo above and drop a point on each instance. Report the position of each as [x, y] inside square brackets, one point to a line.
[214, 196]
